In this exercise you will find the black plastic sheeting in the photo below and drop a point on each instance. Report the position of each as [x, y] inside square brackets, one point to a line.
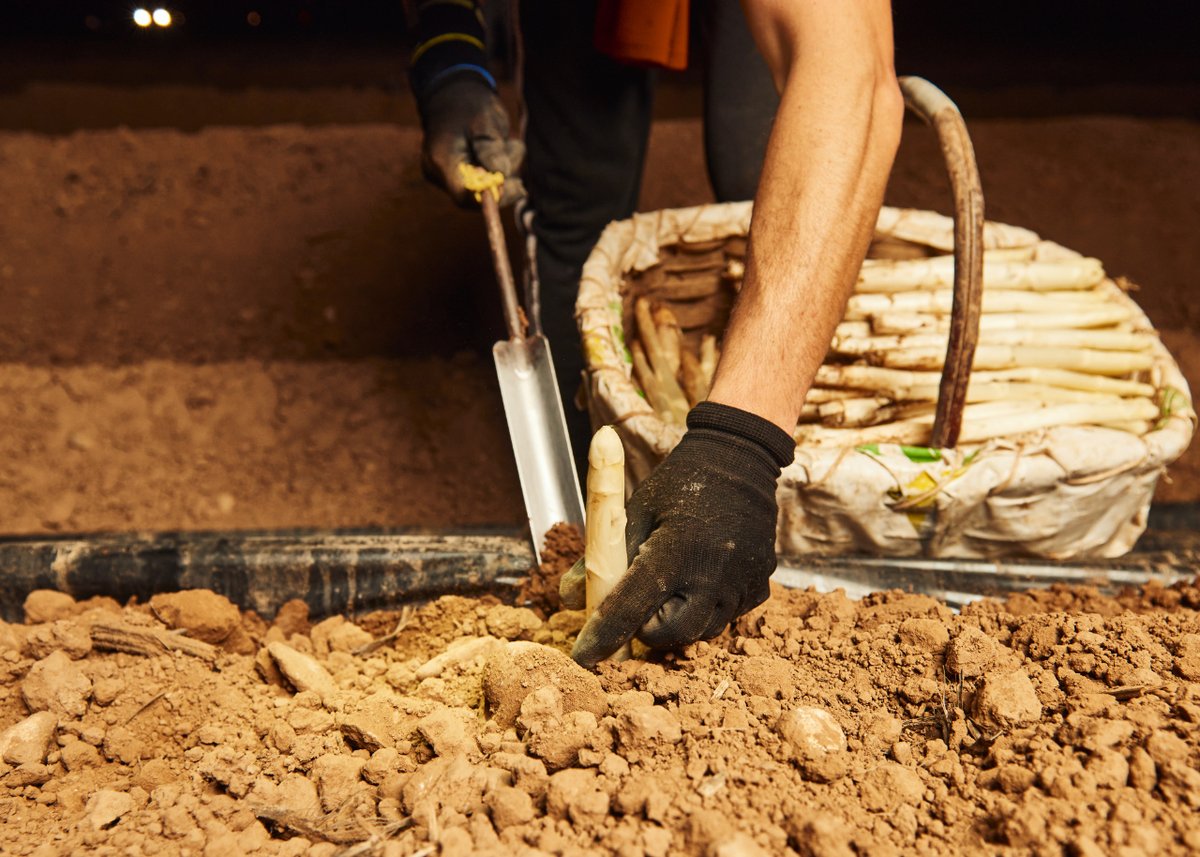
[356, 571]
[341, 572]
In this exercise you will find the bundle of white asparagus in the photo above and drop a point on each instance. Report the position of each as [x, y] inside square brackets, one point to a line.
[672, 376]
[1056, 347]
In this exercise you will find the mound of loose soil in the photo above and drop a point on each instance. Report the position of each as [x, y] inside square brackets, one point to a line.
[1052, 723]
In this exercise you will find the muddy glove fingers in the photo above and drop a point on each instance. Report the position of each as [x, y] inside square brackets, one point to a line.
[702, 528]
[465, 122]
[632, 602]
[658, 602]
[687, 617]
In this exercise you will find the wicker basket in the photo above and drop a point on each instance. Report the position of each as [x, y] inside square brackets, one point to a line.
[1067, 491]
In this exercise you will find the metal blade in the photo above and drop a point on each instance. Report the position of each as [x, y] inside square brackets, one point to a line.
[538, 431]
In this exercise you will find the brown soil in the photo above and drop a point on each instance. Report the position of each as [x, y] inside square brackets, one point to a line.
[249, 444]
[562, 549]
[249, 315]
[1060, 722]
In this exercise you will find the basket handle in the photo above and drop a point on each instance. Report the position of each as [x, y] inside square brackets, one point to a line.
[938, 111]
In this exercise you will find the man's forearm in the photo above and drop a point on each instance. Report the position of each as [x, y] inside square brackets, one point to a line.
[827, 163]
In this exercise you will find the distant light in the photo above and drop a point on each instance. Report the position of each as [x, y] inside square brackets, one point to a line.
[162, 17]
[92, 22]
[142, 18]
[253, 19]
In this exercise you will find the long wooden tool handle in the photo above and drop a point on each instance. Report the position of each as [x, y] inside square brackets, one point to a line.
[933, 106]
[504, 276]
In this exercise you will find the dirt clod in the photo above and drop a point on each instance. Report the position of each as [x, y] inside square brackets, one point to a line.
[518, 668]
[1007, 700]
[106, 807]
[56, 684]
[811, 732]
[26, 742]
[971, 652]
[46, 605]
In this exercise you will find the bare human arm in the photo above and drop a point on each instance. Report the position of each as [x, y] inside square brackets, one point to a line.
[827, 163]
[701, 528]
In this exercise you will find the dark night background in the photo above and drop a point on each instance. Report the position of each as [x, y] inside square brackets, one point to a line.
[1077, 45]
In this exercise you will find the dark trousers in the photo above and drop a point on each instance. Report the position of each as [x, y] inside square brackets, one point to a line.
[588, 127]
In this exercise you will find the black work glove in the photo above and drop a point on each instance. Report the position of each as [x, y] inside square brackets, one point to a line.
[465, 122]
[700, 537]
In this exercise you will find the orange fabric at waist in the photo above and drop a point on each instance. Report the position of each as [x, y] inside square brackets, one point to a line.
[644, 32]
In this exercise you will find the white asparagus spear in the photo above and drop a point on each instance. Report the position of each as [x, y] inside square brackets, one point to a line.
[809, 412]
[821, 395]
[1010, 254]
[940, 301]
[1103, 340]
[662, 404]
[670, 337]
[691, 374]
[1138, 427]
[660, 363]
[1095, 316]
[987, 421]
[604, 556]
[937, 230]
[1014, 356]
[857, 412]
[710, 355]
[938, 273]
[1001, 424]
[647, 331]
[1011, 391]
[854, 330]
[896, 382]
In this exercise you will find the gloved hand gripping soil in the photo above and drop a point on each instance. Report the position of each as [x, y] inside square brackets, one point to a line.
[700, 538]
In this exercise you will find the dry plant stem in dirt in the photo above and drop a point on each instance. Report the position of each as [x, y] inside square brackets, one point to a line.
[604, 557]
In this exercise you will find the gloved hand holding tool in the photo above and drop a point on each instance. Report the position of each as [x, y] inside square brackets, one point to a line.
[465, 122]
[700, 538]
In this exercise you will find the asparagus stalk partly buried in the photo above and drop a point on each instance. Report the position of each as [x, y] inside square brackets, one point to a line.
[604, 529]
